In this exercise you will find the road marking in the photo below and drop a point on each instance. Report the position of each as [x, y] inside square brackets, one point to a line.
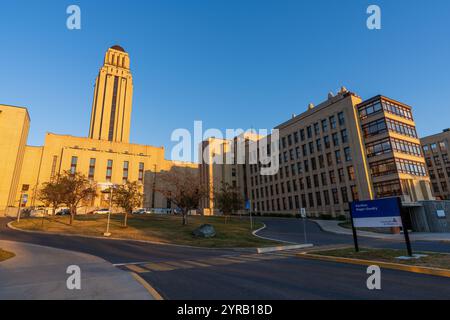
[155, 294]
[159, 266]
[136, 268]
[180, 265]
[197, 264]
[219, 261]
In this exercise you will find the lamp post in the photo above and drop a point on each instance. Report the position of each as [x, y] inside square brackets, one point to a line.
[111, 188]
[20, 206]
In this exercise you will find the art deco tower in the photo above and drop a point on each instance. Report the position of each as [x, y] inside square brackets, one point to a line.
[113, 94]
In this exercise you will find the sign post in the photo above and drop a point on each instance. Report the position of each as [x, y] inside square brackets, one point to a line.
[380, 213]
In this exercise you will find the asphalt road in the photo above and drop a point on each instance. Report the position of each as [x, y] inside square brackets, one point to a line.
[209, 276]
[291, 230]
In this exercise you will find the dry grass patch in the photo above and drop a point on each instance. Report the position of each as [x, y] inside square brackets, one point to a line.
[235, 232]
[5, 255]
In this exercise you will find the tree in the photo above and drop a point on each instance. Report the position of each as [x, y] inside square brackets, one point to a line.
[51, 194]
[182, 188]
[76, 187]
[228, 199]
[127, 197]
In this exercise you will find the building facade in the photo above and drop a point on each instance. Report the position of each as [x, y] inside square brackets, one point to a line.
[106, 157]
[436, 150]
[341, 150]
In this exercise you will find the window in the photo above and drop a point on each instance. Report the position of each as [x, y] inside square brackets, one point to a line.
[316, 181]
[290, 140]
[316, 129]
[311, 147]
[324, 125]
[344, 194]
[437, 160]
[344, 136]
[370, 109]
[326, 141]
[326, 197]
[398, 110]
[401, 128]
[406, 147]
[109, 168]
[304, 150]
[309, 132]
[378, 147]
[388, 189]
[313, 164]
[426, 148]
[323, 176]
[351, 173]
[321, 161]
[333, 122]
[141, 172]
[374, 128]
[332, 177]
[125, 171]
[306, 165]
[55, 160]
[302, 134]
[337, 154]
[355, 195]
[384, 167]
[444, 186]
[335, 196]
[318, 199]
[348, 154]
[295, 137]
[73, 165]
[341, 118]
[329, 159]
[92, 162]
[319, 145]
[443, 146]
[311, 200]
[341, 175]
[335, 140]
[283, 142]
[440, 173]
[297, 153]
[411, 167]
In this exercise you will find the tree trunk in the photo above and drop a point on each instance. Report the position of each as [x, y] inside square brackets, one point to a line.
[185, 221]
[71, 217]
[125, 220]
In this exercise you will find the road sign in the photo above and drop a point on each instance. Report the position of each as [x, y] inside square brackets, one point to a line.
[303, 213]
[247, 205]
[382, 213]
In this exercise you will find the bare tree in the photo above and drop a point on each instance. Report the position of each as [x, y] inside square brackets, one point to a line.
[182, 188]
[127, 197]
[76, 187]
[228, 199]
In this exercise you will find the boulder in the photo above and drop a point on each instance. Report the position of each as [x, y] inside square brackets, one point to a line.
[205, 231]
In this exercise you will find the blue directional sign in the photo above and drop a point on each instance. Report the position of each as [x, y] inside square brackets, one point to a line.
[377, 213]
[247, 205]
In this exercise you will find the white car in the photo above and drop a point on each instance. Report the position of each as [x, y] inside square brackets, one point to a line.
[101, 211]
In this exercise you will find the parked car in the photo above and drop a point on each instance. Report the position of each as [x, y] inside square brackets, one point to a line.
[101, 211]
[142, 211]
[62, 212]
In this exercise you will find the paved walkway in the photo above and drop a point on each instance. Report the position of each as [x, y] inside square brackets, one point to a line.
[333, 226]
[39, 273]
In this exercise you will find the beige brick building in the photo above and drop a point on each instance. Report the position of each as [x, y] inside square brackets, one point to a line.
[341, 150]
[436, 150]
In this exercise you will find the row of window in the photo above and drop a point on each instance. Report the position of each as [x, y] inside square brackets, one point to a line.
[312, 147]
[307, 165]
[411, 167]
[437, 160]
[433, 147]
[388, 189]
[439, 173]
[388, 145]
[378, 106]
[383, 125]
[316, 181]
[109, 169]
[307, 133]
[310, 200]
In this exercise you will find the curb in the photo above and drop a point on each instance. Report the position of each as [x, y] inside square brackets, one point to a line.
[10, 226]
[155, 295]
[283, 248]
[266, 238]
[387, 265]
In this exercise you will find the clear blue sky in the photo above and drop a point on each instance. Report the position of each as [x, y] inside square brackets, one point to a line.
[229, 63]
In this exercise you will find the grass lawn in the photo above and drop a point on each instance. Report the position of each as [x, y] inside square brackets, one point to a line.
[435, 260]
[165, 229]
[5, 255]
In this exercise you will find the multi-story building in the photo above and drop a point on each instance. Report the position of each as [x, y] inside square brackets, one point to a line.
[106, 157]
[436, 150]
[342, 150]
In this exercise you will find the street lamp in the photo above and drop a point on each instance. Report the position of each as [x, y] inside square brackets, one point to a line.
[111, 188]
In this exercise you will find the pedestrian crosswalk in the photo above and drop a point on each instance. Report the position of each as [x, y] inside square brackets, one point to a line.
[170, 265]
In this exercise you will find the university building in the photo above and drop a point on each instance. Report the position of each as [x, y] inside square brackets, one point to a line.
[344, 149]
[436, 150]
[106, 156]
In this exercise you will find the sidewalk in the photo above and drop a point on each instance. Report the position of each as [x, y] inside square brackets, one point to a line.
[39, 273]
[333, 227]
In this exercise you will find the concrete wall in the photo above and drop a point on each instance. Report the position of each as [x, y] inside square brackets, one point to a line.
[425, 218]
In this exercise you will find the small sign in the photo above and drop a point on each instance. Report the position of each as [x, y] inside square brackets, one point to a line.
[441, 213]
[382, 213]
[24, 199]
[303, 213]
[247, 205]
